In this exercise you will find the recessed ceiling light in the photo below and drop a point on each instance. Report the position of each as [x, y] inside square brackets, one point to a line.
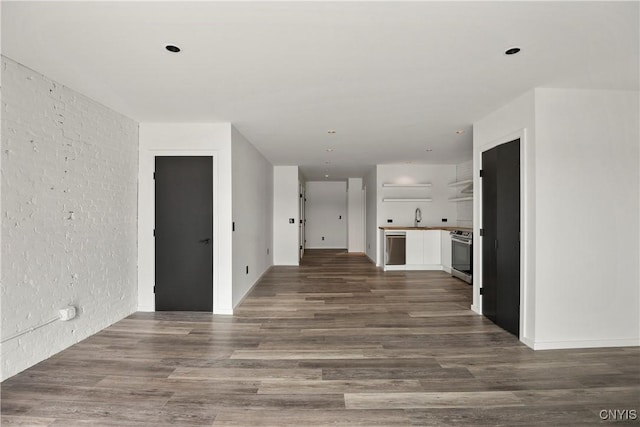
[329, 150]
[460, 132]
[172, 48]
[331, 131]
[326, 176]
[512, 51]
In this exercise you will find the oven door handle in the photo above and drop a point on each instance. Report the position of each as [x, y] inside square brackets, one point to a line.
[464, 242]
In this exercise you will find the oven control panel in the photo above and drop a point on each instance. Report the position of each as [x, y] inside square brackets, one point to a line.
[462, 235]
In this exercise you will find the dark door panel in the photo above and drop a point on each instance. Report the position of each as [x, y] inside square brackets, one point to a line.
[501, 235]
[489, 234]
[184, 233]
[508, 236]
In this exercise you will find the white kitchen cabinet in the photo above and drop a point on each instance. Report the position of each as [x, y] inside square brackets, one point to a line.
[432, 249]
[445, 245]
[423, 248]
[415, 247]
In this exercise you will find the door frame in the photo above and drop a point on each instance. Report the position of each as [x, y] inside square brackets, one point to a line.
[524, 235]
[301, 220]
[147, 287]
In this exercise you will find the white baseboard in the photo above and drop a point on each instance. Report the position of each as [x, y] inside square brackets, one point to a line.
[324, 247]
[425, 267]
[476, 309]
[216, 310]
[557, 345]
[371, 260]
[528, 342]
[410, 267]
[251, 288]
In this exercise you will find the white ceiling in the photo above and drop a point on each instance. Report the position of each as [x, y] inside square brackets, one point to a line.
[392, 79]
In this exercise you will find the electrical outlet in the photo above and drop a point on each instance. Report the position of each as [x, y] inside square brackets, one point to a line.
[389, 221]
[67, 313]
[247, 269]
[444, 219]
[322, 237]
[267, 251]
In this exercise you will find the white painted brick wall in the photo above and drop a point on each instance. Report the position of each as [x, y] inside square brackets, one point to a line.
[69, 188]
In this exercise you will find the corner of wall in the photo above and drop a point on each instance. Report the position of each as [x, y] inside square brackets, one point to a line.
[252, 215]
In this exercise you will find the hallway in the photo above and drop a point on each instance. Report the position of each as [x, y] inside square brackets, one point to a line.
[333, 342]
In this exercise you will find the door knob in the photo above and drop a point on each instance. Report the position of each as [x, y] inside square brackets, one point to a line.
[205, 241]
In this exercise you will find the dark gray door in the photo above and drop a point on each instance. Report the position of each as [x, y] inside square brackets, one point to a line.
[501, 235]
[508, 237]
[184, 233]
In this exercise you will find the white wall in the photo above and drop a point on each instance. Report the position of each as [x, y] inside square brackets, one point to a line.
[286, 197]
[403, 213]
[587, 185]
[326, 214]
[514, 120]
[371, 208]
[355, 215]
[188, 139]
[464, 209]
[580, 192]
[68, 216]
[252, 183]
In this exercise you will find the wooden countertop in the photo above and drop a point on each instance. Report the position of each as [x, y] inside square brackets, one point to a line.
[398, 228]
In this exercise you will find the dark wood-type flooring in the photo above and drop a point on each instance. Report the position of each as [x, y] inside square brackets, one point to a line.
[334, 342]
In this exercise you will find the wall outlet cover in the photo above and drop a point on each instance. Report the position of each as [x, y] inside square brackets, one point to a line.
[67, 313]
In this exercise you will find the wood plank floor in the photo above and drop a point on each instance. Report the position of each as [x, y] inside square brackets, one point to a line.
[334, 342]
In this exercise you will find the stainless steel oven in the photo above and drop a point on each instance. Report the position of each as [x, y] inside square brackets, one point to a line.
[462, 255]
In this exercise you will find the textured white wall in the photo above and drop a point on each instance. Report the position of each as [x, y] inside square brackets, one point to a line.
[252, 177]
[69, 182]
[326, 214]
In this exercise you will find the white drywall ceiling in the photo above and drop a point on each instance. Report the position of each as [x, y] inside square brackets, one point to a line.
[392, 79]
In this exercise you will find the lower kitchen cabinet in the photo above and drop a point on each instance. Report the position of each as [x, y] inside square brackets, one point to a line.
[415, 247]
[445, 245]
[423, 248]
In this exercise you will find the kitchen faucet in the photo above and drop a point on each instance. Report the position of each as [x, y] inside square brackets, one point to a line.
[418, 217]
